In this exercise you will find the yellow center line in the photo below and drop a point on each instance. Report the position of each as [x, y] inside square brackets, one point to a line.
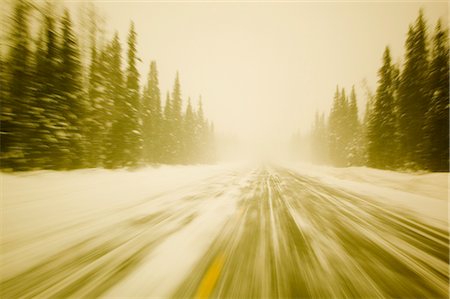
[209, 280]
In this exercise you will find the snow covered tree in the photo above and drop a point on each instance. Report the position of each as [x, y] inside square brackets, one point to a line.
[132, 141]
[189, 143]
[318, 140]
[46, 149]
[152, 117]
[167, 136]
[98, 109]
[338, 129]
[115, 147]
[57, 114]
[71, 103]
[382, 147]
[15, 118]
[3, 79]
[177, 118]
[413, 100]
[354, 147]
[436, 127]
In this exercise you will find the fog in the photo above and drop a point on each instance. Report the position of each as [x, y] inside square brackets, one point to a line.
[264, 69]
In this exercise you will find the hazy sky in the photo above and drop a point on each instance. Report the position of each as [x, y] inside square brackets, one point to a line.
[263, 69]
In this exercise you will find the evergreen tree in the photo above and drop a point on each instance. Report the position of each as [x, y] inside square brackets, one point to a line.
[168, 132]
[71, 103]
[437, 117]
[353, 111]
[333, 121]
[345, 129]
[3, 80]
[414, 94]
[97, 109]
[189, 146]
[203, 138]
[176, 118]
[132, 140]
[338, 129]
[15, 118]
[354, 145]
[46, 148]
[382, 122]
[115, 90]
[152, 117]
[319, 145]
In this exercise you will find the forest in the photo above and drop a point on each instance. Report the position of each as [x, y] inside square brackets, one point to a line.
[60, 111]
[406, 120]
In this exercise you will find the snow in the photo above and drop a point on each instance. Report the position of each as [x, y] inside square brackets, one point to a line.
[423, 195]
[45, 211]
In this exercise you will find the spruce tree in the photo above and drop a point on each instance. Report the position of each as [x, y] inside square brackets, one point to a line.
[382, 122]
[3, 80]
[15, 118]
[201, 134]
[176, 118]
[132, 140]
[188, 134]
[71, 103]
[97, 109]
[319, 138]
[353, 111]
[413, 100]
[46, 150]
[437, 117]
[168, 132]
[333, 121]
[115, 90]
[354, 148]
[339, 130]
[345, 129]
[152, 117]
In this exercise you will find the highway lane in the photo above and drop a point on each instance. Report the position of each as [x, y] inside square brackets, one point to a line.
[293, 237]
[265, 232]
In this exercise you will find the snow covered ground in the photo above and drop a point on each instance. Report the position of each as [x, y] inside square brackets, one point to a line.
[154, 231]
[424, 194]
[44, 211]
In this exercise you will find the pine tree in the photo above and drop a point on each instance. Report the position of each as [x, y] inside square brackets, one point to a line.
[71, 103]
[46, 149]
[339, 129]
[115, 147]
[319, 145]
[132, 140]
[168, 132]
[188, 134]
[97, 110]
[3, 80]
[152, 117]
[177, 118]
[15, 119]
[414, 95]
[354, 148]
[202, 135]
[333, 131]
[353, 111]
[437, 117]
[345, 129]
[382, 122]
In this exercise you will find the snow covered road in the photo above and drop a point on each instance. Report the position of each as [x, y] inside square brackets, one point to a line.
[230, 232]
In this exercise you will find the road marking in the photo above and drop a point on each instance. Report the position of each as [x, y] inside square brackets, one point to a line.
[209, 280]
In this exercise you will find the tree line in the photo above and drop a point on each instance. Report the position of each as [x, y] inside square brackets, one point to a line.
[406, 123]
[58, 113]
